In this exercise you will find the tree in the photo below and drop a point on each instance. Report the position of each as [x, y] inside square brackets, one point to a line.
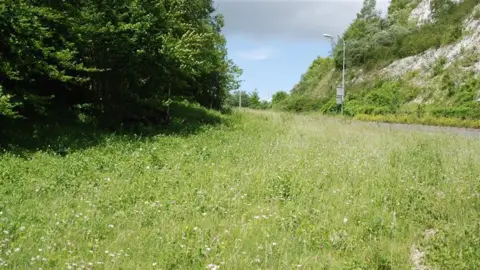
[368, 10]
[233, 99]
[255, 99]
[121, 61]
[278, 97]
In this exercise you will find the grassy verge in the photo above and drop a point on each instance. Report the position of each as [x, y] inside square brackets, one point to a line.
[267, 190]
[425, 120]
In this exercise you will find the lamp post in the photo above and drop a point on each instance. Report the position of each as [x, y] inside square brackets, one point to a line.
[343, 70]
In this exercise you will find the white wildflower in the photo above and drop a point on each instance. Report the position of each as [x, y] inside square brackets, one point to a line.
[213, 266]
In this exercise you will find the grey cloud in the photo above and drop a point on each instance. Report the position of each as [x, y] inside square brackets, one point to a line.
[289, 19]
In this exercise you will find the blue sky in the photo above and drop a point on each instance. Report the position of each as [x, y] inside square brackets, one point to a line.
[275, 41]
[273, 65]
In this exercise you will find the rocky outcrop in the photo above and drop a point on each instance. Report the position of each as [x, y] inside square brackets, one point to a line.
[422, 14]
[470, 43]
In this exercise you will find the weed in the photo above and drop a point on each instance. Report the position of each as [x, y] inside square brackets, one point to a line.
[267, 190]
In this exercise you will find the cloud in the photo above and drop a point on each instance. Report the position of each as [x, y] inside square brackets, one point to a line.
[289, 19]
[258, 54]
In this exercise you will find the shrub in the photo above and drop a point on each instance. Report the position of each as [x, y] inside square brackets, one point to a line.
[297, 103]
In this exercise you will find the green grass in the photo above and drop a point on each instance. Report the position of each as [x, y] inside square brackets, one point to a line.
[261, 190]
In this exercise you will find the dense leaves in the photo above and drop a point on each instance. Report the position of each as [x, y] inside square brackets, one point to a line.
[246, 100]
[374, 39]
[111, 60]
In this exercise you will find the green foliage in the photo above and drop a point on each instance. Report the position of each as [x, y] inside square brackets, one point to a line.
[385, 97]
[299, 103]
[249, 100]
[279, 97]
[253, 192]
[375, 40]
[254, 99]
[476, 13]
[438, 66]
[233, 99]
[55, 56]
[7, 107]
[316, 71]
[264, 105]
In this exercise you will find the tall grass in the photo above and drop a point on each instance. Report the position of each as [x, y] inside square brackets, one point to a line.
[266, 190]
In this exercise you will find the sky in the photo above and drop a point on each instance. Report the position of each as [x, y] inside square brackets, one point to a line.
[275, 41]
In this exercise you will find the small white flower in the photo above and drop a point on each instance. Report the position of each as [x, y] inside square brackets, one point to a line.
[195, 228]
[154, 264]
[110, 226]
[107, 179]
[274, 244]
[345, 220]
[213, 266]
[22, 228]
[256, 217]
[5, 232]
[299, 265]
[148, 167]
[17, 249]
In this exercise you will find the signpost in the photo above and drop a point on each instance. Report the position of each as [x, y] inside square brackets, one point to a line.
[340, 96]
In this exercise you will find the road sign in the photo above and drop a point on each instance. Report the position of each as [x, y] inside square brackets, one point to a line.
[340, 95]
[339, 91]
[339, 99]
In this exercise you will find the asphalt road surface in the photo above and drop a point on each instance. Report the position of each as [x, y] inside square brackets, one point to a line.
[469, 132]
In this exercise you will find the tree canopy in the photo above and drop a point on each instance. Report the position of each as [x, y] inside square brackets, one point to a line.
[111, 59]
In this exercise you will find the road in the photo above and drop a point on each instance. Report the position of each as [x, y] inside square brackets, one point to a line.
[469, 132]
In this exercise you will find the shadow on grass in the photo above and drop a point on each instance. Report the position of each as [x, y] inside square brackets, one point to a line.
[64, 136]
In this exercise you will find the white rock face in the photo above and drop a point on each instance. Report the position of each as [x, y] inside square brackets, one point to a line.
[423, 61]
[422, 14]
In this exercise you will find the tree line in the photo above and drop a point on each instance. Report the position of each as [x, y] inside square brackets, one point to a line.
[111, 60]
[252, 100]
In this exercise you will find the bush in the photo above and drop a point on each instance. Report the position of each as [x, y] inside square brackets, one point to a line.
[297, 103]
[463, 112]
[279, 97]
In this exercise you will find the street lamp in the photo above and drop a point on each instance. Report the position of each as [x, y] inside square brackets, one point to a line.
[343, 70]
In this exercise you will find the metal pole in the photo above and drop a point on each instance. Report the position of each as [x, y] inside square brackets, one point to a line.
[343, 69]
[343, 75]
